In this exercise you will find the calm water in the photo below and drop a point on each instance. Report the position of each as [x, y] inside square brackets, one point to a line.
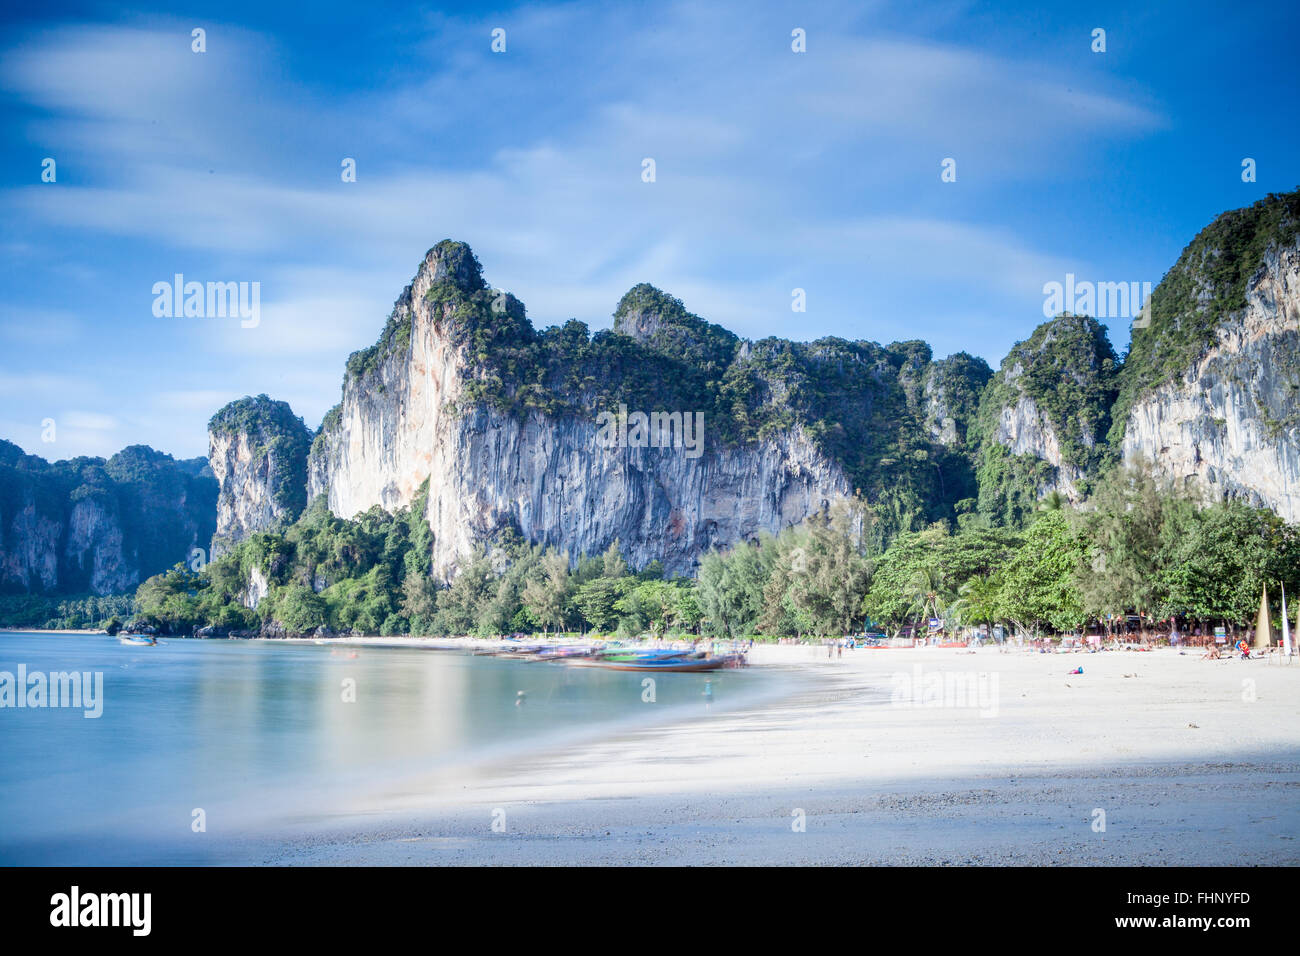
[258, 734]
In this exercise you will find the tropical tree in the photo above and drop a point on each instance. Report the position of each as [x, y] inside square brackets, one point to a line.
[1124, 526]
[1038, 584]
[419, 601]
[977, 600]
[731, 589]
[1220, 558]
[597, 599]
[891, 596]
[836, 571]
[547, 596]
[928, 593]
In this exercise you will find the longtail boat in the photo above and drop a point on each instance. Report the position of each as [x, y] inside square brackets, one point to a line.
[676, 664]
[670, 662]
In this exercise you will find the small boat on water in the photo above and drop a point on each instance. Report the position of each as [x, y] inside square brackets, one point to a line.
[623, 654]
[137, 640]
[686, 663]
[619, 657]
[562, 652]
[667, 660]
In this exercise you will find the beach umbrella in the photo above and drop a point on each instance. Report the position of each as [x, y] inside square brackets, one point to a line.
[1286, 627]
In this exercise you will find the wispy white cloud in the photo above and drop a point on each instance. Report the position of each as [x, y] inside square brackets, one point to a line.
[89, 421]
[222, 161]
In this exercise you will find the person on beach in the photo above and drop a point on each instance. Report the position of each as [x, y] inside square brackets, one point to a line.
[1245, 650]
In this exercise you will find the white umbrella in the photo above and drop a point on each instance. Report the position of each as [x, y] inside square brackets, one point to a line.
[1286, 628]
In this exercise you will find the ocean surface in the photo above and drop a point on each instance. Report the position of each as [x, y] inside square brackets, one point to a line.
[258, 735]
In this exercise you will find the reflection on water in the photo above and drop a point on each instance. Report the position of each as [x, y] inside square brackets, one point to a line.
[256, 733]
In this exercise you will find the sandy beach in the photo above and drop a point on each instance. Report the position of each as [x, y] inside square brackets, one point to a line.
[900, 756]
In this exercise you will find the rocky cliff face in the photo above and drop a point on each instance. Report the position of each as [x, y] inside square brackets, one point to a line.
[90, 525]
[1226, 423]
[1023, 429]
[407, 415]
[257, 450]
[1209, 394]
[95, 547]
[556, 483]
[952, 389]
[1043, 418]
[258, 586]
[505, 422]
[29, 558]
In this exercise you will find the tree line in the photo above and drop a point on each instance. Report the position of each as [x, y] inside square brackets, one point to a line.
[1136, 547]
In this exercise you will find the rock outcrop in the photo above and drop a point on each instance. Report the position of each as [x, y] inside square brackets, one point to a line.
[952, 390]
[1213, 396]
[671, 435]
[87, 525]
[1044, 417]
[257, 449]
[411, 411]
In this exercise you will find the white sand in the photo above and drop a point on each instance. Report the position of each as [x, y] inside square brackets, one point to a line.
[881, 782]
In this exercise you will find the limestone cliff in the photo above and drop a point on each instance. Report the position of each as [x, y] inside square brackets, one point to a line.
[525, 429]
[1044, 416]
[951, 396]
[1212, 386]
[91, 525]
[257, 450]
[505, 421]
[409, 412]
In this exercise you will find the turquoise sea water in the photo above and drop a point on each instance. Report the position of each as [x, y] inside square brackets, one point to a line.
[257, 734]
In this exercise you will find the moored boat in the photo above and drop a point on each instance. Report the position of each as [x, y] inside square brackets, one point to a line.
[682, 662]
[563, 652]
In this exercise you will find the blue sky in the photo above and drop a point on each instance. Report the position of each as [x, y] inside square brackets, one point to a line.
[775, 170]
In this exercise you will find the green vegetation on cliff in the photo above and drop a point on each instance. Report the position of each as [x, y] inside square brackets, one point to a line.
[1066, 369]
[850, 398]
[272, 430]
[321, 571]
[958, 382]
[144, 507]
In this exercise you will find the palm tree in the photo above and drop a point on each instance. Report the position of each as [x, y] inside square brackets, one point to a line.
[1052, 501]
[928, 592]
[977, 601]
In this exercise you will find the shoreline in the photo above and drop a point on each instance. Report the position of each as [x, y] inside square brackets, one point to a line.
[916, 756]
[1183, 767]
